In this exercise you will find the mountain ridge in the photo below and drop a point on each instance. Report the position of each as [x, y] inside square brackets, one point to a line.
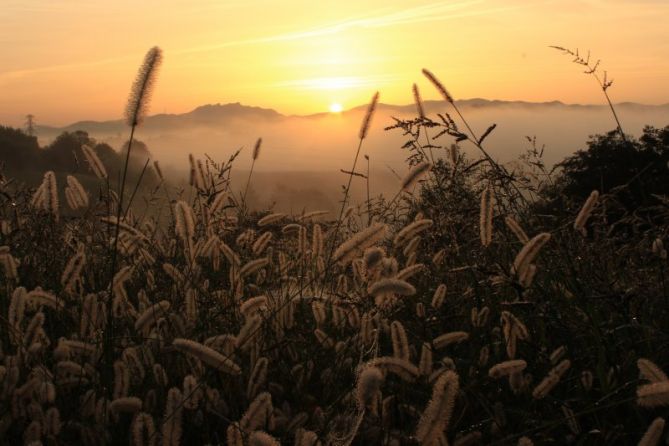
[213, 113]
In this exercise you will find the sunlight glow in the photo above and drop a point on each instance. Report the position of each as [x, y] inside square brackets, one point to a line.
[336, 108]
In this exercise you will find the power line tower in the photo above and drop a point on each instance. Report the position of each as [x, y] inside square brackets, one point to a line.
[30, 125]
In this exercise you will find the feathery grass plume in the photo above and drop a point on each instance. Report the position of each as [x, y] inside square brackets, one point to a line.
[271, 219]
[409, 271]
[319, 312]
[72, 271]
[417, 100]
[258, 377]
[507, 368]
[514, 226]
[395, 286]
[657, 247]
[525, 441]
[190, 310]
[50, 203]
[218, 202]
[586, 210]
[367, 121]
[192, 392]
[230, 254]
[527, 277]
[248, 332]
[485, 218]
[16, 313]
[172, 419]
[411, 230]
[121, 379]
[150, 316]
[200, 175]
[184, 221]
[411, 246]
[79, 347]
[113, 221]
[37, 298]
[77, 193]
[33, 433]
[261, 243]
[38, 199]
[52, 424]
[128, 404]
[311, 215]
[94, 162]
[454, 154]
[360, 241]
[159, 375]
[400, 367]
[326, 341]
[447, 339]
[650, 371]
[306, 438]
[529, 251]
[437, 415]
[572, 421]
[439, 296]
[138, 102]
[653, 434]
[260, 438]
[438, 257]
[399, 340]
[71, 199]
[234, 435]
[143, 430]
[191, 177]
[258, 412]
[253, 305]
[545, 386]
[653, 395]
[414, 175]
[368, 386]
[561, 368]
[317, 241]
[256, 149]
[425, 364]
[557, 354]
[438, 85]
[253, 266]
[207, 355]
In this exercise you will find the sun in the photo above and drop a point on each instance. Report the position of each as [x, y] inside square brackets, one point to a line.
[336, 107]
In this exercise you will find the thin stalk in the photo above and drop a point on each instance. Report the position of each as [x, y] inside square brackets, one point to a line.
[248, 181]
[369, 203]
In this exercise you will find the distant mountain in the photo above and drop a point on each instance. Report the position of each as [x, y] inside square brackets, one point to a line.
[225, 114]
[323, 141]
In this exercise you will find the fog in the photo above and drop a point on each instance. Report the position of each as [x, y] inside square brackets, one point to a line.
[301, 156]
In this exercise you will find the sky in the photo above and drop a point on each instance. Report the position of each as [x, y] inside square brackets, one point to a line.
[71, 60]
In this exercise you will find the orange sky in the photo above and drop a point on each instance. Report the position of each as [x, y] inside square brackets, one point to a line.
[70, 60]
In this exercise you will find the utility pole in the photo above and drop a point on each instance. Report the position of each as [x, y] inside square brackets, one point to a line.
[30, 125]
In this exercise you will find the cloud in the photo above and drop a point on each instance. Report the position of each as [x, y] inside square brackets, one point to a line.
[443, 10]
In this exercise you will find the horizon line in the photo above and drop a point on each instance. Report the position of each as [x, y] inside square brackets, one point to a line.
[356, 107]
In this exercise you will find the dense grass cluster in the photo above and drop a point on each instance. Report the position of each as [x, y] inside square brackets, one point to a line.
[459, 312]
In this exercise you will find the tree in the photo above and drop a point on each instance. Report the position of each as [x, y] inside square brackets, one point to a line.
[636, 168]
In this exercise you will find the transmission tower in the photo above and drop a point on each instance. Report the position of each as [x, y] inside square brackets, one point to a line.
[30, 125]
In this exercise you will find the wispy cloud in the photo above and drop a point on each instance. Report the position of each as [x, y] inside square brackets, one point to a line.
[438, 11]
